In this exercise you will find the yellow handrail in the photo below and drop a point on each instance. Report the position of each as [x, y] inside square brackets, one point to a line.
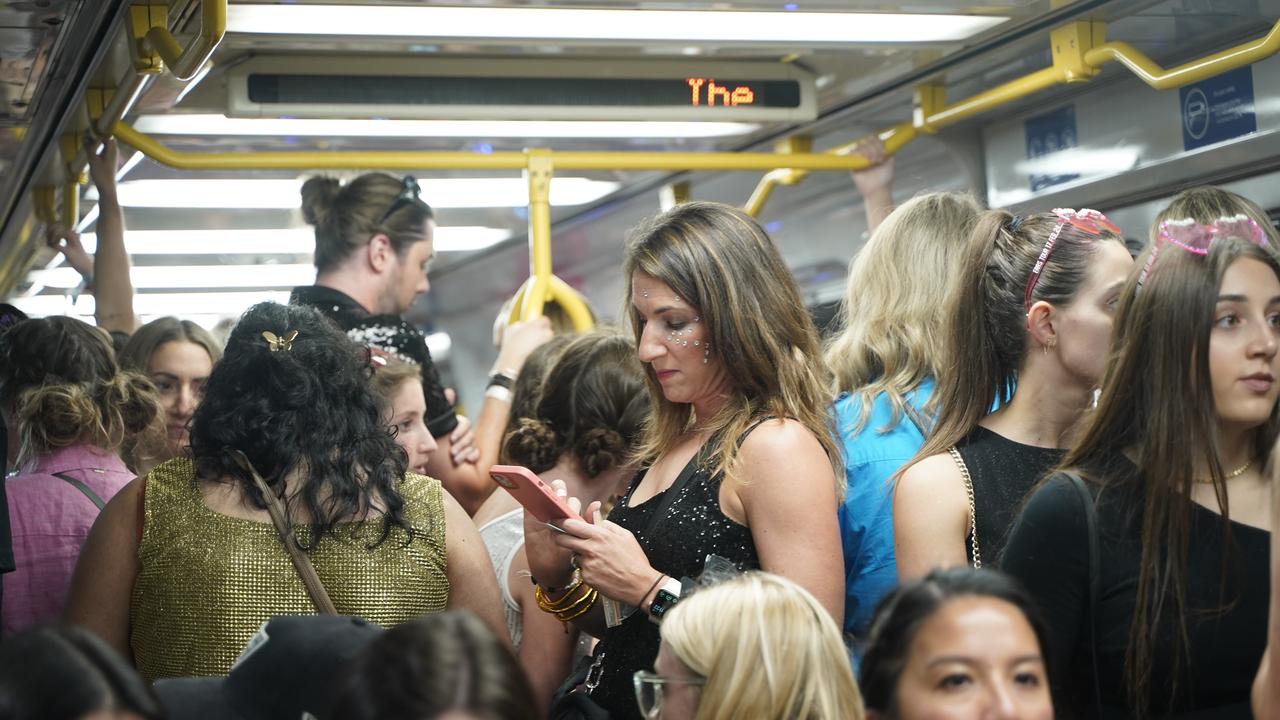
[184, 63]
[542, 284]
[1069, 62]
[400, 160]
[1161, 79]
[894, 139]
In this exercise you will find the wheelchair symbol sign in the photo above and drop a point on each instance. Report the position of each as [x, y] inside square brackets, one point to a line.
[1195, 114]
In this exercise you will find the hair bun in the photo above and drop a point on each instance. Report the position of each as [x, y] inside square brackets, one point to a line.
[318, 197]
[532, 443]
[55, 415]
[133, 396]
[600, 449]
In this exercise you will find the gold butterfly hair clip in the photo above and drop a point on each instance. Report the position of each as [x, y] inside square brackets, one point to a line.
[280, 343]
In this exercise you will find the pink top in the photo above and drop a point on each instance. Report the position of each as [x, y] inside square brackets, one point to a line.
[50, 519]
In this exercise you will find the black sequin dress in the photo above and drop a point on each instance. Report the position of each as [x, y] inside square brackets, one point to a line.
[677, 545]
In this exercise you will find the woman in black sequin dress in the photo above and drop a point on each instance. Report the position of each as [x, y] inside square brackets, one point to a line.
[739, 395]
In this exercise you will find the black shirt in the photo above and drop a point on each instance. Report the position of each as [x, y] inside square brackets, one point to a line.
[390, 334]
[1048, 550]
[1003, 472]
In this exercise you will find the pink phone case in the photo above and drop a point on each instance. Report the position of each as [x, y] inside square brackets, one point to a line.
[528, 489]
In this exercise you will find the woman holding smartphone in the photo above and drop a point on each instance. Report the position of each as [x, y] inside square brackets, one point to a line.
[739, 459]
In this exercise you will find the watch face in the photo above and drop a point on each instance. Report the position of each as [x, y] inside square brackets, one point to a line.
[662, 602]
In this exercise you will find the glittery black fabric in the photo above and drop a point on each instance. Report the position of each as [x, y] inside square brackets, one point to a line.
[1003, 474]
[678, 545]
[390, 334]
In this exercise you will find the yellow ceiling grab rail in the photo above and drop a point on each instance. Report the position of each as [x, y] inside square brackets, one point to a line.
[429, 160]
[1161, 79]
[151, 22]
[1079, 52]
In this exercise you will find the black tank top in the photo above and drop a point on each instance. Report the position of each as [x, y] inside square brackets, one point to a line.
[677, 545]
[1003, 473]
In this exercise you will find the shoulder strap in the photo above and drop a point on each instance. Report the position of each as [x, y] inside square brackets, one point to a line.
[669, 496]
[307, 571]
[83, 488]
[689, 469]
[1095, 580]
[973, 504]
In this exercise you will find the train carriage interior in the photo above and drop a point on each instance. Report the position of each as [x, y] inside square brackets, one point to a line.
[328, 79]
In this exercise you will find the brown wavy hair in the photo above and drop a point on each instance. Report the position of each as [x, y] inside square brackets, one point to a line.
[721, 262]
[61, 377]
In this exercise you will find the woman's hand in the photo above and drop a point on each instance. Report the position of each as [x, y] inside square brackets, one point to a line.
[462, 441]
[609, 556]
[67, 242]
[103, 164]
[548, 562]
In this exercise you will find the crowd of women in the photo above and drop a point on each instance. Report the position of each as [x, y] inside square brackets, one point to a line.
[1039, 464]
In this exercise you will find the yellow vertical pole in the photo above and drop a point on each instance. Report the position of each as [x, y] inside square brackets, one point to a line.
[71, 204]
[538, 174]
[46, 202]
[673, 194]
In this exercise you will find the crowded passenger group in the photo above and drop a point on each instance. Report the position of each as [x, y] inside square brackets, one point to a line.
[1025, 472]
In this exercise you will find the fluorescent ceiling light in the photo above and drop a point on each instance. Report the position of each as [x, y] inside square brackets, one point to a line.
[250, 193]
[1082, 161]
[682, 27]
[194, 276]
[220, 125]
[290, 241]
[228, 304]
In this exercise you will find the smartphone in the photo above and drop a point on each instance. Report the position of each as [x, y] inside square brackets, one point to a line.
[536, 496]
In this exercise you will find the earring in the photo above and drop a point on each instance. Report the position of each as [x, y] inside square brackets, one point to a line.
[706, 353]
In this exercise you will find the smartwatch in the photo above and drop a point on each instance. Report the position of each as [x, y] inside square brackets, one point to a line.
[666, 598]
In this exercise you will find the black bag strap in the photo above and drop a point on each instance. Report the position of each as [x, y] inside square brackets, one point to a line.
[1095, 579]
[85, 489]
[279, 517]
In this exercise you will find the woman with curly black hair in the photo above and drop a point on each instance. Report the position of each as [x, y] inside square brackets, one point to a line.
[185, 564]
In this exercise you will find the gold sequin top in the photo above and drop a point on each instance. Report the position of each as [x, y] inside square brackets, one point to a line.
[208, 581]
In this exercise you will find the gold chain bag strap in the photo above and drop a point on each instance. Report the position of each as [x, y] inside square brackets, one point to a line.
[973, 505]
[306, 571]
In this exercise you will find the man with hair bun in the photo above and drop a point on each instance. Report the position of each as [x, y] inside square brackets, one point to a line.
[373, 246]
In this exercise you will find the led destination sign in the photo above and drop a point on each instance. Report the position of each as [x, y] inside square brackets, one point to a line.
[582, 89]
[700, 92]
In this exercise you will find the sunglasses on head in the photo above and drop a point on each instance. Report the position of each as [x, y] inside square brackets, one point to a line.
[1086, 220]
[1197, 238]
[409, 192]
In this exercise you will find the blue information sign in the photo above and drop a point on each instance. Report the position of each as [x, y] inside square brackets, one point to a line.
[1047, 134]
[1218, 109]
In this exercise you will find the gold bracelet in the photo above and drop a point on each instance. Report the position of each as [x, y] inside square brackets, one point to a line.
[594, 595]
[588, 596]
[566, 600]
[548, 605]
